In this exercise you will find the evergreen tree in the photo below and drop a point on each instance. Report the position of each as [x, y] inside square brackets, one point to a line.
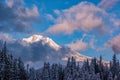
[54, 72]
[32, 74]
[22, 74]
[46, 72]
[60, 72]
[110, 76]
[14, 69]
[5, 64]
[118, 77]
[101, 67]
[114, 66]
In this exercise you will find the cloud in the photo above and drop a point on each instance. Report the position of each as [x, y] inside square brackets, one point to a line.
[19, 49]
[49, 17]
[85, 17]
[15, 16]
[5, 37]
[115, 44]
[105, 4]
[15, 46]
[11, 3]
[95, 47]
[92, 43]
[79, 45]
[116, 22]
[82, 17]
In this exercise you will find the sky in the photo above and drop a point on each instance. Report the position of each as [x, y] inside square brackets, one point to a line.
[91, 27]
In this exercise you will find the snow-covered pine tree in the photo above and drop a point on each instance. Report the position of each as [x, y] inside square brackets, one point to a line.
[101, 67]
[110, 76]
[54, 72]
[118, 77]
[22, 74]
[46, 72]
[114, 66]
[5, 64]
[60, 72]
[32, 74]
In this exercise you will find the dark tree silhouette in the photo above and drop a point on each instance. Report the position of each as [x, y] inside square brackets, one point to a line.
[14, 69]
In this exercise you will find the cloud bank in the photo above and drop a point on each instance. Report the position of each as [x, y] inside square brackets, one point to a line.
[16, 17]
[87, 17]
[82, 17]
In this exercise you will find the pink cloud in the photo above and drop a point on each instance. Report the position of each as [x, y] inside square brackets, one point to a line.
[115, 44]
[105, 4]
[79, 45]
[79, 17]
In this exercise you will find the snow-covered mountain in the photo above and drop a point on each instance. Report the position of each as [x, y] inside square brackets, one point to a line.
[43, 40]
[38, 49]
[48, 50]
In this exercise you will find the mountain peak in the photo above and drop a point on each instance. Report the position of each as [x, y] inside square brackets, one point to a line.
[43, 39]
[33, 38]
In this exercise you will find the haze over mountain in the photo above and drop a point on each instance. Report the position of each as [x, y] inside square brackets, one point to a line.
[38, 49]
[52, 50]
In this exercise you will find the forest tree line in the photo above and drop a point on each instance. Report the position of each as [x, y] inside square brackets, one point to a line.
[14, 69]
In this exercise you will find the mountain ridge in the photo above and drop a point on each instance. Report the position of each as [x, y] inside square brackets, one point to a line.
[62, 50]
[37, 49]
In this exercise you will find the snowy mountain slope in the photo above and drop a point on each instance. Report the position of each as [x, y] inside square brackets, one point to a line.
[42, 49]
[51, 51]
[44, 40]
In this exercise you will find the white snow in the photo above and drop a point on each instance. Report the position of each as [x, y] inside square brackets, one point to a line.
[79, 57]
[45, 40]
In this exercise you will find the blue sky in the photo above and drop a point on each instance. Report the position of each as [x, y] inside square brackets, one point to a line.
[91, 27]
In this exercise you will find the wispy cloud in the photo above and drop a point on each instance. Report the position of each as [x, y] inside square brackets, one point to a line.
[6, 37]
[49, 17]
[106, 4]
[79, 45]
[15, 16]
[93, 44]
